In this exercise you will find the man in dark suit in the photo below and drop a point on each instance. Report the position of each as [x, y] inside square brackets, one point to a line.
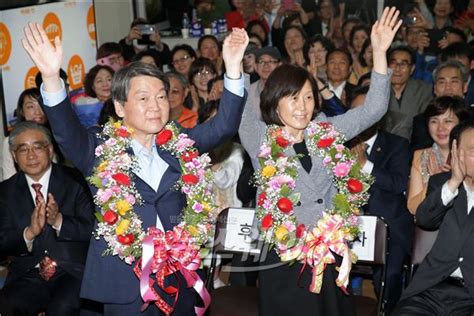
[46, 220]
[387, 157]
[338, 69]
[444, 281]
[139, 93]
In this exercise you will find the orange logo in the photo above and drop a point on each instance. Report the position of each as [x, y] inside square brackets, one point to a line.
[5, 44]
[76, 72]
[91, 23]
[30, 78]
[52, 26]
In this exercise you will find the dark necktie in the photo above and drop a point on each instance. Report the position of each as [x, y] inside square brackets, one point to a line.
[39, 196]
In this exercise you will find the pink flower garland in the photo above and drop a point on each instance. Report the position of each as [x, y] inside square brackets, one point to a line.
[276, 181]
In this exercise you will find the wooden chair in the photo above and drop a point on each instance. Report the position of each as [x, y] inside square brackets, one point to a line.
[372, 251]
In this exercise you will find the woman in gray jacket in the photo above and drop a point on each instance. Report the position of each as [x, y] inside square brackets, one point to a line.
[289, 100]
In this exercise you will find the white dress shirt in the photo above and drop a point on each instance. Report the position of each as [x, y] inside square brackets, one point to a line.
[369, 165]
[337, 90]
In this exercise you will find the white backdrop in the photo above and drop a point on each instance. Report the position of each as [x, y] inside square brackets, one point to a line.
[73, 21]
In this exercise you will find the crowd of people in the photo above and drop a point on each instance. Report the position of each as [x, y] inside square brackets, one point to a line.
[399, 88]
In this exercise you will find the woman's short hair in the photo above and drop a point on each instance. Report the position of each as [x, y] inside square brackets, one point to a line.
[151, 53]
[443, 104]
[357, 28]
[33, 93]
[278, 86]
[200, 64]
[123, 77]
[251, 24]
[324, 41]
[188, 49]
[212, 38]
[90, 77]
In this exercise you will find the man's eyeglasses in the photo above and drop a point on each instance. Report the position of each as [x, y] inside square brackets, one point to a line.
[205, 73]
[36, 148]
[403, 64]
[268, 62]
[181, 60]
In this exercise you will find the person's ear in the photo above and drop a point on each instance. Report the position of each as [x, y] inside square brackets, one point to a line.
[119, 109]
[412, 69]
[464, 89]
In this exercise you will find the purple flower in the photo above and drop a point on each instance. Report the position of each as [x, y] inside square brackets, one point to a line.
[267, 204]
[197, 207]
[339, 147]
[327, 160]
[265, 151]
[104, 195]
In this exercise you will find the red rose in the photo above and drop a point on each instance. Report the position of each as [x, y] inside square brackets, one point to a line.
[282, 142]
[126, 239]
[189, 155]
[300, 230]
[121, 178]
[190, 179]
[163, 137]
[261, 198]
[110, 217]
[324, 124]
[325, 142]
[121, 132]
[354, 186]
[267, 221]
[285, 205]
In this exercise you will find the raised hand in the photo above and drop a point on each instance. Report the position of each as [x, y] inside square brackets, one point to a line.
[458, 167]
[38, 219]
[45, 56]
[233, 51]
[53, 216]
[384, 30]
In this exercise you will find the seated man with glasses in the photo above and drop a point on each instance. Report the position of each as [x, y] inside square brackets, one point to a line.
[46, 220]
[408, 97]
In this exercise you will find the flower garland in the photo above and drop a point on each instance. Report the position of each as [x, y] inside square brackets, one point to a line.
[276, 181]
[121, 228]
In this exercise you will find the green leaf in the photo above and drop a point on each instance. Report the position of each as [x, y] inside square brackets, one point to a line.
[99, 217]
[355, 170]
[285, 190]
[95, 180]
[340, 203]
[275, 149]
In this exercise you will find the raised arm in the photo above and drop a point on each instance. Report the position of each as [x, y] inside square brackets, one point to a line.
[376, 103]
[71, 136]
[225, 123]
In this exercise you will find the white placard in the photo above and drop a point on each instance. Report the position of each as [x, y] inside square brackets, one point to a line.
[365, 248]
[239, 230]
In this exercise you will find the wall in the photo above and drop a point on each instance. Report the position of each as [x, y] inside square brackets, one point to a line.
[112, 19]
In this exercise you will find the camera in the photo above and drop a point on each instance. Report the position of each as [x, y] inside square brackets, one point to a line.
[409, 20]
[146, 30]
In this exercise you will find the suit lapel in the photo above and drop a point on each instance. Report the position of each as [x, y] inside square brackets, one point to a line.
[171, 174]
[26, 205]
[377, 152]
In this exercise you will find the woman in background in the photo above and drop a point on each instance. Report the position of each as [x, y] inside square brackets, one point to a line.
[441, 115]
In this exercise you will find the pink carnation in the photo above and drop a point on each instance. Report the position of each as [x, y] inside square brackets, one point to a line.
[197, 207]
[341, 169]
[130, 199]
[265, 151]
[104, 195]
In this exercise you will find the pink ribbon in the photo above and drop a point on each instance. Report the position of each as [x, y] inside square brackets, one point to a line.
[165, 254]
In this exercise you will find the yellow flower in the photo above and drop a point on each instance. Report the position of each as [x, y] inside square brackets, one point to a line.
[122, 227]
[117, 124]
[268, 171]
[102, 166]
[206, 207]
[281, 233]
[123, 207]
[193, 230]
